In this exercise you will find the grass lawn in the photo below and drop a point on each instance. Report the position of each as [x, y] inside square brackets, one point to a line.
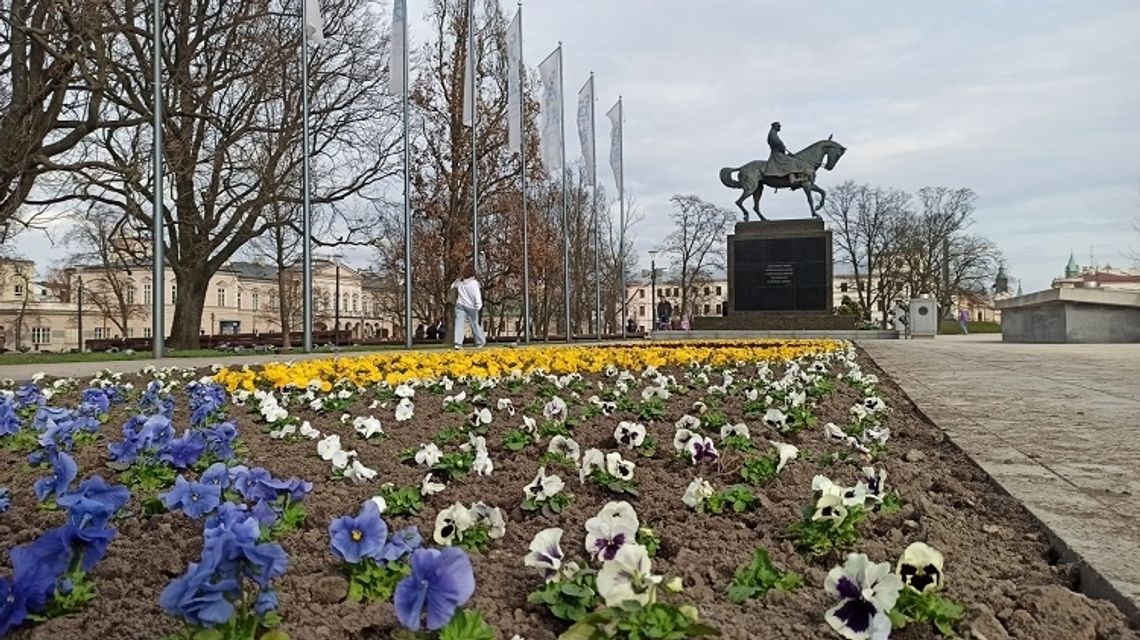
[950, 327]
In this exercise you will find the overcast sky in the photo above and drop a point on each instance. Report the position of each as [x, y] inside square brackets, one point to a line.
[1035, 105]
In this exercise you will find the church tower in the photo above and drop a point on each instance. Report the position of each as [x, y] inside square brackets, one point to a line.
[1072, 270]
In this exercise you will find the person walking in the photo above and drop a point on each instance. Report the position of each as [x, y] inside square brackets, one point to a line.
[964, 321]
[468, 302]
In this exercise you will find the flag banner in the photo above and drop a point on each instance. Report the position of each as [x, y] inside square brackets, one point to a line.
[314, 24]
[396, 70]
[550, 73]
[586, 129]
[514, 83]
[614, 115]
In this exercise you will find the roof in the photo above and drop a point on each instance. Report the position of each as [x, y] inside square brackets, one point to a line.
[253, 270]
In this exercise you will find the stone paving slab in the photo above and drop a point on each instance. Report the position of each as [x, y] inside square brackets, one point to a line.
[1057, 426]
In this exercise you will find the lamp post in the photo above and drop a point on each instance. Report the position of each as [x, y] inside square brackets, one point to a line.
[79, 310]
[653, 290]
[336, 301]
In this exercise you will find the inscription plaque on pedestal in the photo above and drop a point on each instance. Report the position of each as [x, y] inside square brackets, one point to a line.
[780, 266]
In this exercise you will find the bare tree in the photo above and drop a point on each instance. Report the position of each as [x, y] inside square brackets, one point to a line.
[695, 245]
[53, 79]
[232, 130]
[111, 290]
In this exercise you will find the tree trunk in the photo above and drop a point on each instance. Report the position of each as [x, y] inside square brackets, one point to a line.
[283, 306]
[185, 330]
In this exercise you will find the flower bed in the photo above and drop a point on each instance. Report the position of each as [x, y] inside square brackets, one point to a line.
[773, 490]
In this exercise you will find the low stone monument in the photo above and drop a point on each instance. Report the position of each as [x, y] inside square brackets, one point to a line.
[1080, 315]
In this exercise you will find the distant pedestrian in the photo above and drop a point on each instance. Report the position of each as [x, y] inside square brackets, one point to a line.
[964, 321]
[468, 302]
[441, 329]
[664, 310]
[420, 332]
[631, 326]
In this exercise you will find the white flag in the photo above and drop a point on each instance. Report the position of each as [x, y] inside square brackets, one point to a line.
[469, 70]
[314, 25]
[586, 128]
[396, 70]
[550, 73]
[614, 115]
[514, 83]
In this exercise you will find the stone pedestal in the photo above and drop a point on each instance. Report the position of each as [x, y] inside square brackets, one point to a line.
[1072, 316]
[779, 277]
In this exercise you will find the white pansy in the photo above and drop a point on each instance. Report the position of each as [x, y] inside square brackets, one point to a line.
[451, 523]
[380, 502]
[482, 465]
[492, 517]
[699, 407]
[614, 526]
[505, 404]
[834, 432]
[591, 459]
[681, 439]
[455, 399]
[555, 409]
[329, 446]
[405, 391]
[367, 427]
[797, 398]
[738, 429]
[359, 473]
[429, 454]
[543, 487]
[751, 395]
[629, 434]
[546, 553]
[697, 492]
[429, 487]
[619, 467]
[650, 393]
[341, 458]
[405, 410]
[787, 453]
[565, 446]
[530, 425]
[308, 431]
[776, 419]
[920, 567]
[628, 577]
[687, 421]
[480, 417]
[317, 404]
[829, 507]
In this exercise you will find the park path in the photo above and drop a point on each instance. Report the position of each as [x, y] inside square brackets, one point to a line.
[1058, 426]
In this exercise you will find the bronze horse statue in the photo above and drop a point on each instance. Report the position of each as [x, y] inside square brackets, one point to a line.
[752, 178]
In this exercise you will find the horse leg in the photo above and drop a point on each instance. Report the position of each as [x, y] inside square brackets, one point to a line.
[740, 204]
[756, 200]
[811, 201]
[822, 195]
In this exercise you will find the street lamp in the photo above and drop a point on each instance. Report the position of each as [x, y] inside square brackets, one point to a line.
[336, 302]
[79, 310]
[653, 288]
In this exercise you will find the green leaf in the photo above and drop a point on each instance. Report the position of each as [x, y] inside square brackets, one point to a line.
[467, 625]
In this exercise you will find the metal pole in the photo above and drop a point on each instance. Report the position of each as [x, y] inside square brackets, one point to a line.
[653, 294]
[594, 203]
[80, 316]
[621, 230]
[565, 216]
[306, 211]
[407, 205]
[525, 215]
[336, 307]
[158, 288]
[474, 126]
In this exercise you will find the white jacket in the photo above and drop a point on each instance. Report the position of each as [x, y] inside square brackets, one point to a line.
[470, 295]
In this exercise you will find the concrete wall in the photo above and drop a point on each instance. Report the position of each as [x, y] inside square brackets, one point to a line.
[1072, 315]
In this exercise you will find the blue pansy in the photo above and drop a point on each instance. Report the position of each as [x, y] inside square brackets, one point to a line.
[89, 541]
[363, 536]
[184, 452]
[199, 597]
[264, 512]
[266, 602]
[94, 502]
[440, 582]
[220, 439]
[217, 474]
[99, 400]
[156, 432]
[195, 499]
[10, 423]
[401, 543]
[63, 471]
[28, 590]
[5, 499]
[28, 395]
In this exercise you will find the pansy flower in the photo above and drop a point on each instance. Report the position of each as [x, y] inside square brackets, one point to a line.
[619, 467]
[491, 517]
[920, 567]
[358, 473]
[367, 427]
[614, 526]
[505, 404]
[441, 581]
[546, 553]
[629, 434]
[786, 452]
[359, 537]
[431, 485]
[829, 507]
[591, 459]
[564, 446]
[555, 409]
[479, 417]
[867, 592]
[405, 410]
[429, 454]
[451, 523]
[543, 487]
[776, 419]
[697, 492]
[739, 429]
[628, 577]
[702, 449]
[876, 482]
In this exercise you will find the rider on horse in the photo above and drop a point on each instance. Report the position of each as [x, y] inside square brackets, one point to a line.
[780, 163]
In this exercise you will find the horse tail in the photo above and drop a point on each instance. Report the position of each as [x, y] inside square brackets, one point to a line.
[727, 180]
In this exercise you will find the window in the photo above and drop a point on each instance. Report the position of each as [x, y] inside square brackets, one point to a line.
[641, 293]
[325, 301]
[129, 294]
[146, 294]
[344, 302]
[147, 332]
[239, 299]
[706, 290]
[707, 310]
[19, 291]
[719, 309]
[173, 293]
[718, 290]
[221, 296]
[641, 311]
[100, 333]
[676, 292]
[355, 302]
[130, 332]
[41, 335]
[843, 287]
[256, 301]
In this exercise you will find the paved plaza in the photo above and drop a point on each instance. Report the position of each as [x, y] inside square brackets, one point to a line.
[1058, 426]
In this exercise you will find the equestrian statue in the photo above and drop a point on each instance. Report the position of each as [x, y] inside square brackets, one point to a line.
[783, 171]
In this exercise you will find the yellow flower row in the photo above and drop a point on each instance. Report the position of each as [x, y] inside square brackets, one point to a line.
[397, 367]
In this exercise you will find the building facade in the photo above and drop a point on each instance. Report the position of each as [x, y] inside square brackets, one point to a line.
[242, 298]
[1103, 277]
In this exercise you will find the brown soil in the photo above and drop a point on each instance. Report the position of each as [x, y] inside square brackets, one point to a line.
[997, 560]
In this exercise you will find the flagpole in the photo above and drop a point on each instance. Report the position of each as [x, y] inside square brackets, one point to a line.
[158, 273]
[407, 199]
[594, 203]
[474, 123]
[525, 215]
[565, 215]
[621, 230]
[306, 211]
